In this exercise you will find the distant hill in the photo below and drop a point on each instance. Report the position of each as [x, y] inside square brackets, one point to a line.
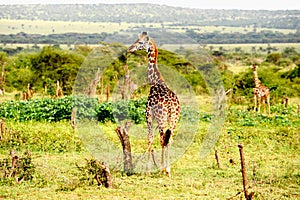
[143, 13]
[168, 25]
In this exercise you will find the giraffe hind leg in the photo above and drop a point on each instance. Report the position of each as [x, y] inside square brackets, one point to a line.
[166, 137]
[264, 102]
[168, 165]
[255, 103]
[258, 104]
[268, 102]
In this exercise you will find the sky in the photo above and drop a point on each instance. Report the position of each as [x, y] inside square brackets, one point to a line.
[203, 4]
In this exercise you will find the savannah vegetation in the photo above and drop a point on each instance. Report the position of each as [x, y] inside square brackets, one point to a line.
[50, 158]
[62, 165]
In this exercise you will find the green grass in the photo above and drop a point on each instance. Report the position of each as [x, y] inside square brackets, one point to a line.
[271, 154]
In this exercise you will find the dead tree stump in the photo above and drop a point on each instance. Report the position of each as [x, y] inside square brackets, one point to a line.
[17, 168]
[73, 118]
[107, 92]
[2, 129]
[286, 102]
[217, 158]
[282, 100]
[58, 91]
[106, 173]
[124, 138]
[247, 195]
[100, 171]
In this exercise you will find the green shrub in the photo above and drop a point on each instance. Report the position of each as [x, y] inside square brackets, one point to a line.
[40, 136]
[54, 110]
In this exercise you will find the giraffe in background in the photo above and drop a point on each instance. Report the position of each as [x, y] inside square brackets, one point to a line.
[162, 104]
[261, 92]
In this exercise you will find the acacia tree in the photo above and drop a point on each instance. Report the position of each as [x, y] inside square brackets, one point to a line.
[53, 64]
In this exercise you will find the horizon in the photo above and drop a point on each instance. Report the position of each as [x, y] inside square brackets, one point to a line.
[212, 4]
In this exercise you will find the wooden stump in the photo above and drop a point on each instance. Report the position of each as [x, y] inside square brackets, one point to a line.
[247, 195]
[2, 129]
[124, 138]
[217, 158]
[73, 118]
[106, 173]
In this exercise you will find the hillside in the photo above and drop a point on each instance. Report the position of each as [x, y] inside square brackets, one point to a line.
[151, 13]
[91, 23]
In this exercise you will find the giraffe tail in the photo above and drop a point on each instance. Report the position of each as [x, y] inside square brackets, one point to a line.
[167, 137]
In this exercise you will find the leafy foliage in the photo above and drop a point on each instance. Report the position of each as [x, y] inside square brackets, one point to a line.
[45, 109]
[55, 64]
[40, 136]
[282, 116]
[93, 171]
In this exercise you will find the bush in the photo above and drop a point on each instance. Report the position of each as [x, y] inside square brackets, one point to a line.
[45, 109]
[16, 169]
[54, 110]
[40, 136]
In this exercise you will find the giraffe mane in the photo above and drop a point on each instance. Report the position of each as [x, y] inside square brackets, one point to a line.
[154, 45]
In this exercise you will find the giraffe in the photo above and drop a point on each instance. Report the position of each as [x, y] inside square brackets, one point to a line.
[260, 92]
[162, 104]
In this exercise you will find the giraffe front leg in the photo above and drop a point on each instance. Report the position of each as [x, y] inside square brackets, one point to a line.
[268, 102]
[258, 104]
[264, 102]
[150, 141]
[255, 102]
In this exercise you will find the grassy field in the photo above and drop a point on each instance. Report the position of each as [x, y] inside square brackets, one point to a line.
[8, 26]
[232, 47]
[271, 148]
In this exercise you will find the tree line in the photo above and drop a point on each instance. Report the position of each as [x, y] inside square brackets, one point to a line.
[280, 71]
[162, 37]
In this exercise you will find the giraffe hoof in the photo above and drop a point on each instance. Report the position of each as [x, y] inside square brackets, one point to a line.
[166, 171]
[168, 174]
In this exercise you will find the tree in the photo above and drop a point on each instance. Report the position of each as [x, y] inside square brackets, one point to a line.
[53, 64]
[273, 58]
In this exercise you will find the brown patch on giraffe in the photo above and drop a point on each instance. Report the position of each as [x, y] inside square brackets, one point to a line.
[152, 61]
[151, 71]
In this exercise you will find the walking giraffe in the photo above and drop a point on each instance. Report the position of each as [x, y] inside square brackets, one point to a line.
[261, 92]
[162, 104]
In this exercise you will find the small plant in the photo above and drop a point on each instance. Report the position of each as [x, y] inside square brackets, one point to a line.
[17, 168]
[95, 171]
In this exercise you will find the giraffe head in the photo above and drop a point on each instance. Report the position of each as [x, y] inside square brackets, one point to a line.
[254, 67]
[142, 43]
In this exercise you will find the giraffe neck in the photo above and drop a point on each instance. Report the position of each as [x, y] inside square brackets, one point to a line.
[154, 75]
[256, 80]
